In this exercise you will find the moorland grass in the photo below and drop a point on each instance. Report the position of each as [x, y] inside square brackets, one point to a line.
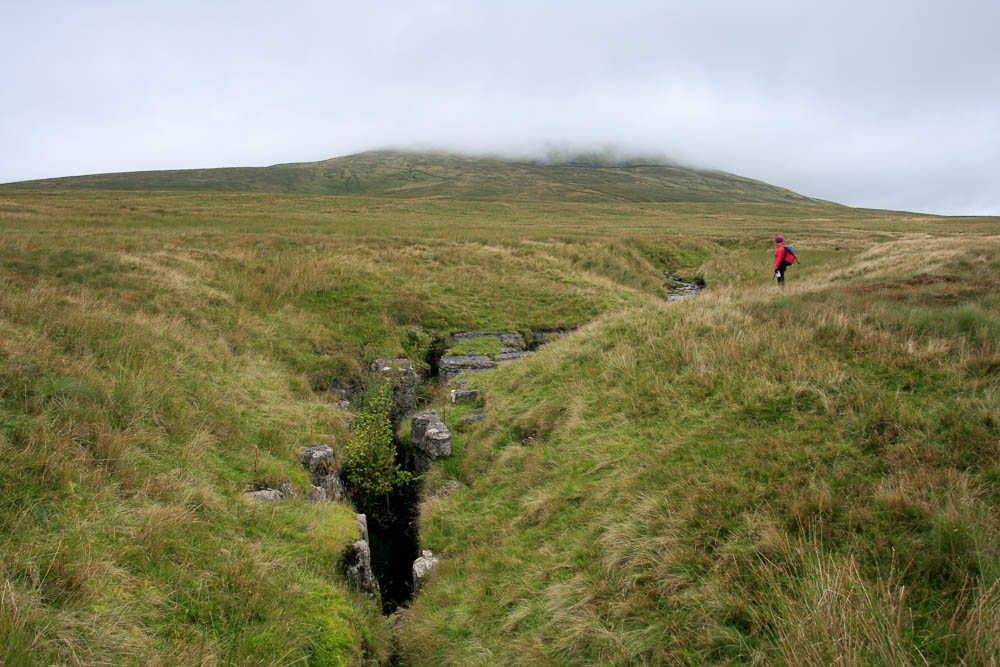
[455, 177]
[804, 476]
[701, 476]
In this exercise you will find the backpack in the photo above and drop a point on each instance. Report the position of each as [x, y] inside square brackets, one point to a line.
[789, 255]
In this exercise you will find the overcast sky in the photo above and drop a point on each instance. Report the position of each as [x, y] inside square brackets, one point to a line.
[878, 103]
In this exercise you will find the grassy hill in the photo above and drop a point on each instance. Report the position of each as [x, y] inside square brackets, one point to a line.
[750, 477]
[803, 478]
[402, 174]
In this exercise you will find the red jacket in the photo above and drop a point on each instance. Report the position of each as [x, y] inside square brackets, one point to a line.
[779, 256]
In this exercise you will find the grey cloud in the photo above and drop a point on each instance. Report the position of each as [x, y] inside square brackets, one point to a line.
[891, 104]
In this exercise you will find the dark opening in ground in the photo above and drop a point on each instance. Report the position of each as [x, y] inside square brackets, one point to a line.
[395, 541]
[434, 353]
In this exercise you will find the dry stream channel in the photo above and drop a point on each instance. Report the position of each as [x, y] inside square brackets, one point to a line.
[387, 562]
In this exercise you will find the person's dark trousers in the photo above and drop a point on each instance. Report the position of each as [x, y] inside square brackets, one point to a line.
[781, 273]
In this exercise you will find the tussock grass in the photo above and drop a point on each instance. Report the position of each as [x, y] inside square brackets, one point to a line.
[793, 477]
[694, 473]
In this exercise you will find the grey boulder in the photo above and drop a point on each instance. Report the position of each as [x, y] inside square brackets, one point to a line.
[424, 566]
[267, 495]
[430, 436]
[317, 458]
[473, 418]
[459, 395]
[448, 488]
[405, 379]
[331, 485]
[358, 567]
[450, 367]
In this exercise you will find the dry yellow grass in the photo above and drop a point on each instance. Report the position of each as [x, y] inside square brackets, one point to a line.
[158, 354]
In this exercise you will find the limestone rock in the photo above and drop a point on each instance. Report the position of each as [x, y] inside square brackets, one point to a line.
[514, 339]
[437, 441]
[450, 367]
[449, 488]
[473, 418]
[405, 380]
[357, 559]
[324, 475]
[424, 566]
[358, 567]
[269, 495]
[331, 484]
[419, 423]
[513, 354]
[286, 490]
[317, 458]
[430, 436]
[459, 395]
[362, 521]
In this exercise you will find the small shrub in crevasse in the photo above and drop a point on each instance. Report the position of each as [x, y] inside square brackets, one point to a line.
[369, 465]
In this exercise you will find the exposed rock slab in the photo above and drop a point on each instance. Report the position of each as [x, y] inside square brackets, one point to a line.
[286, 490]
[358, 567]
[323, 472]
[508, 354]
[267, 495]
[429, 435]
[473, 418]
[424, 566]
[450, 367]
[450, 487]
[514, 348]
[317, 458]
[459, 395]
[405, 380]
[362, 521]
[331, 484]
[357, 560]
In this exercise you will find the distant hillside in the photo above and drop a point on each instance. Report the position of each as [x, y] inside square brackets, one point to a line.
[404, 174]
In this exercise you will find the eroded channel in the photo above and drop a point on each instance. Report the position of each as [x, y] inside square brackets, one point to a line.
[386, 560]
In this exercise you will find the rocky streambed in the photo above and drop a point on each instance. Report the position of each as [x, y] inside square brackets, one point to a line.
[512, 347]
[387, 561]
[398, 562]
[678, 289]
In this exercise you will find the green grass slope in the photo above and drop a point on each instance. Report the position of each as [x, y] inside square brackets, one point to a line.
[702, 474]
[402, 174]
[808, 476]
[161, 354]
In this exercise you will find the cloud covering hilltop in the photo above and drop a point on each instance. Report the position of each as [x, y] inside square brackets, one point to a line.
[889, 104]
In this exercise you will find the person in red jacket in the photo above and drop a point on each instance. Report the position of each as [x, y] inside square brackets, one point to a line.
[780, 265]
